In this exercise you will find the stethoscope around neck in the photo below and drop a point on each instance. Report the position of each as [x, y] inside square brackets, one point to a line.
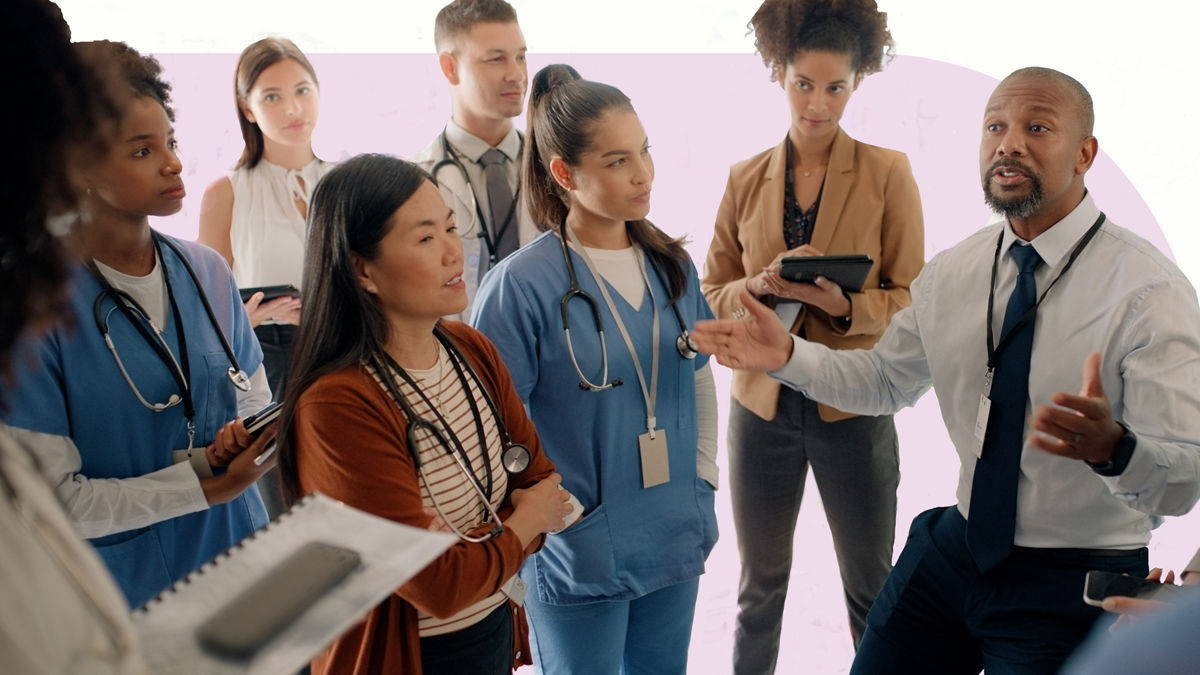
[179, 368]
[683, 343]
[515, 457]
[450, 158]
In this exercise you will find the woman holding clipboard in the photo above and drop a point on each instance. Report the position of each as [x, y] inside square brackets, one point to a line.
[818, 192]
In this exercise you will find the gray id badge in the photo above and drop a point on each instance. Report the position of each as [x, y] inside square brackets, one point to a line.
[656, 468]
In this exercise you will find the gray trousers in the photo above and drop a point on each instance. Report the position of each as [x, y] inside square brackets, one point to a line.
[856, 466]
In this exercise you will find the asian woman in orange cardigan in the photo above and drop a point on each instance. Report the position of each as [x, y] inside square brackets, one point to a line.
[380, 380]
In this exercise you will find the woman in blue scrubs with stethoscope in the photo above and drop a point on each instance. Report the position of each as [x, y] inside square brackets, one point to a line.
[132, 402]
[591, 319]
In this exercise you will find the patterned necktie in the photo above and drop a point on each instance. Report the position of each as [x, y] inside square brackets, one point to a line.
[993, 515]
[500, 201]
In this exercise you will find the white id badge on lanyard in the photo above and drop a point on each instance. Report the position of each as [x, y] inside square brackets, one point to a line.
[981, 417]
[656, 469]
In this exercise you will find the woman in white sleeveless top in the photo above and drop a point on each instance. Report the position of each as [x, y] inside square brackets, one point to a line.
[255, 216]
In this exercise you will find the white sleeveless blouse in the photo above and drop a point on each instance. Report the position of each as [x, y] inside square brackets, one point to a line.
[267, 233]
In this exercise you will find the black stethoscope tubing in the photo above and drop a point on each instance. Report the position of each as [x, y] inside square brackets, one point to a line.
[515, 457]
[450, 158]
[683, 343]
[994, 350]
[137, 316]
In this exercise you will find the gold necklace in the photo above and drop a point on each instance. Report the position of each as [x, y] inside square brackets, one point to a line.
[426, 382]
[441, 375]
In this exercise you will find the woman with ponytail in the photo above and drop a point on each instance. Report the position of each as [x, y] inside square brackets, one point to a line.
[625, 408]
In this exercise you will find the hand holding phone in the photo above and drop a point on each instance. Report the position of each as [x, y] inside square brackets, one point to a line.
[1099, 585]
[260, 420]
[270, 292]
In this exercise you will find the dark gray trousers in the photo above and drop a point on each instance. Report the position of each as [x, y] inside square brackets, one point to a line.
[856, 467]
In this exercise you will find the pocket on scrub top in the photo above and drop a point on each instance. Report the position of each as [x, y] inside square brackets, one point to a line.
[577, 562]
[138, 566]
[220, 405]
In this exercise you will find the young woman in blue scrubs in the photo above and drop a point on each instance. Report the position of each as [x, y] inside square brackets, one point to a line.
[140, 437]
[628, 415]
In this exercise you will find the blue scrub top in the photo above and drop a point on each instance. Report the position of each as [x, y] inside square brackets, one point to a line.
[631, 540]
[72, 387]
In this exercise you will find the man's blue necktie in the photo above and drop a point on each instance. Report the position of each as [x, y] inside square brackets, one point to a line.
[993, 516]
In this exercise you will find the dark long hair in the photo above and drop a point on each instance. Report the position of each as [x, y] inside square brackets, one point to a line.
[342, 325]
[254, 60]
[563, 112]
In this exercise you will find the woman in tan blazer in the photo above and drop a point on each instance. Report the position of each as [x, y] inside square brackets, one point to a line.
[819, 192]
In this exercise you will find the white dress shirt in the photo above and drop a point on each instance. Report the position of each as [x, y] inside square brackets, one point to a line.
[461, 196]
[1123, 298]
[471, 147]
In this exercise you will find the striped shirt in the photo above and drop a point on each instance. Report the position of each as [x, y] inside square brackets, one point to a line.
[457, 499]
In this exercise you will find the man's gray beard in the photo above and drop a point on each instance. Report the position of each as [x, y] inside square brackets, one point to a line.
[1016, 207]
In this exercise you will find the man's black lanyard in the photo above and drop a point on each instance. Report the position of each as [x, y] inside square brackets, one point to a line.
[995, 351]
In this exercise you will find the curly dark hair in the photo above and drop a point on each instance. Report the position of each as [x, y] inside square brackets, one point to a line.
[142, 73]
[784, 28]
[59, 118]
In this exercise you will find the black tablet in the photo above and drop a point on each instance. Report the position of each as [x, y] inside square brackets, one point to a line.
[270, 292]
[847, 271]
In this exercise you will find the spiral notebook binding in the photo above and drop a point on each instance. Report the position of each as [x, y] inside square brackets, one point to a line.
[177, 585]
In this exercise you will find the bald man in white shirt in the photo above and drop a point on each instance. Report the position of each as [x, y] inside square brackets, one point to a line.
[1096, 459]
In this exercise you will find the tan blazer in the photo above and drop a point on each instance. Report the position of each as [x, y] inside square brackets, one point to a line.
[870, 205]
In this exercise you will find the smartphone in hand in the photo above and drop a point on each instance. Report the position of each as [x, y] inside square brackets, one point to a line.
[259, 420]
[1099, 585]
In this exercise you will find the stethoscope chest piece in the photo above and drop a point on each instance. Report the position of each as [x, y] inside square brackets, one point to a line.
[239, 378]
[516, 458]
[686, 346]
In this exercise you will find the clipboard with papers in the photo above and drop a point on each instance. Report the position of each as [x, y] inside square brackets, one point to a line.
[229, 616]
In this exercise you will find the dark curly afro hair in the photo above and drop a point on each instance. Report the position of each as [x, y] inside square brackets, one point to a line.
[61, 110]
[784, 28]
[141, 73]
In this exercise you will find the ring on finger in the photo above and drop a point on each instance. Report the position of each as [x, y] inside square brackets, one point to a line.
[1074, 440]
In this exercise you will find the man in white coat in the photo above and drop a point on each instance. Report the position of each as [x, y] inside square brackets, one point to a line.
[476, 159]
